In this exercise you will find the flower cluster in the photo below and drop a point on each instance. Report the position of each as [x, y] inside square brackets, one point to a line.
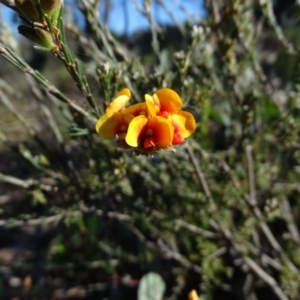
[158, 123]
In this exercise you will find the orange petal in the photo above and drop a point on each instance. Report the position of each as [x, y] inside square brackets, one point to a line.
[184, 123]
[136, 109]
[113, 125]
[169, 100]
[162, 130]
[135, 130]
[119, 102]
[150, 105]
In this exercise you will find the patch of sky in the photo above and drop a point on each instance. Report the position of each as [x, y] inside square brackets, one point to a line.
[125, 17]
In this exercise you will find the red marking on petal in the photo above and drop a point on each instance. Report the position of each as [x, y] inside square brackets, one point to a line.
[177, 139]
[163, 114]
[149, 142]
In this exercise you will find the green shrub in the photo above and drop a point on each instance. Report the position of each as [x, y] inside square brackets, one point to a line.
[82, 217]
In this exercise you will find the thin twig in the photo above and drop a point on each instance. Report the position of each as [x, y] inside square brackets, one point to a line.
[287, 214]
[199, 172]
[13, 57]
[266, 278]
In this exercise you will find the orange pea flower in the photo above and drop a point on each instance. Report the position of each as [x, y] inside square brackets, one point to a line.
[164, 102]
[167, 103]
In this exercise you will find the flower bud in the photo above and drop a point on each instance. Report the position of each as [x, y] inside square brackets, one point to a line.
[51, 8]
[27, 10]
[37, 35]
[46, 38]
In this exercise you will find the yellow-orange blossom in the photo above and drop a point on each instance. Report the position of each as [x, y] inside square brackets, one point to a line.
[155, 124]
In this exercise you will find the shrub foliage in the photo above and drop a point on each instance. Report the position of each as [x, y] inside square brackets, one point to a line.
[82, 218]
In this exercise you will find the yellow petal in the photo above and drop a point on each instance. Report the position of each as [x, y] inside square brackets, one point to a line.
[119, 102]
[150, 105]
[124, 91]
[156, 101]
[169, 100]
[113, 125]
[135, 130]
[100, 122]
[193, 295]
[136, 109]
[184, 123]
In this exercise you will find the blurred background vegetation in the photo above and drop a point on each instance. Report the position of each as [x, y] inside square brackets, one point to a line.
[82, 219]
